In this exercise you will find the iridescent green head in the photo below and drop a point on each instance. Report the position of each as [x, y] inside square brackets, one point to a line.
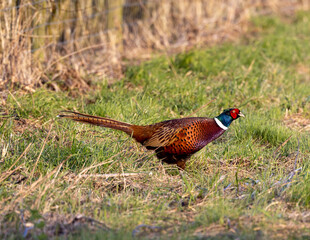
[229, 115]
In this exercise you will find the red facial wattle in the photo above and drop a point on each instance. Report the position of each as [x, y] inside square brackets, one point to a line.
[234, 113]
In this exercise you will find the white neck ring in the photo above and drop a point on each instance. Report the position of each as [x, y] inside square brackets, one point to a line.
[220, 124]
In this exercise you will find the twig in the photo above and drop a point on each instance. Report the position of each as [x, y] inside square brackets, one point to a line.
[110, 175]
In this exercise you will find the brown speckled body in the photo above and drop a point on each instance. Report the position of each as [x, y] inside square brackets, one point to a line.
[189, 135]
[174, 141]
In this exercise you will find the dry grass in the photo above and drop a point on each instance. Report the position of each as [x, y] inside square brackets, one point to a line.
[61, 179]
[165, 26]
[44, 194]
[15, 54]
[298, 122]
[48, 191]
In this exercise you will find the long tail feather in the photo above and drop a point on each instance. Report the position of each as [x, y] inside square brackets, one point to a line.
[98, 121]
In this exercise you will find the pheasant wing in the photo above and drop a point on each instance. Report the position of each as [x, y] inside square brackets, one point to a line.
[163, 136]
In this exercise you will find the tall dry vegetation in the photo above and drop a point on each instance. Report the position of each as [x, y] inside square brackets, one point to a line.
[56, 42]
[15, 48]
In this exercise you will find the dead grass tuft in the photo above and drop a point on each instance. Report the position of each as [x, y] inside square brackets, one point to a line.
[298, 121]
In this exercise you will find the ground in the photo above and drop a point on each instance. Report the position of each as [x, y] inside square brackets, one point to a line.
[61, 179]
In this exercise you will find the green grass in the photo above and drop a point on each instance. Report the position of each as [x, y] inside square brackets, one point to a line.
[236, 187]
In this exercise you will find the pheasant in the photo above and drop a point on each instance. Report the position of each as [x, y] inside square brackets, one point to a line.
[174, 141]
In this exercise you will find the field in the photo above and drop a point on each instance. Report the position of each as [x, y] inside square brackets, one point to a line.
[63, 179]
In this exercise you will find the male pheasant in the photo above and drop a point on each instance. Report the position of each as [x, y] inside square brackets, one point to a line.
[174, 141]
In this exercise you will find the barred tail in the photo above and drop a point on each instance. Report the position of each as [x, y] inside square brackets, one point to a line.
[99, 121]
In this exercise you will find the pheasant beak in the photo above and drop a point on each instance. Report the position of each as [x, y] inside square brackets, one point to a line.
[241, 114]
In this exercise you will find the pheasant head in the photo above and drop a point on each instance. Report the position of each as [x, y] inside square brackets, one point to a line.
[227, 117]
